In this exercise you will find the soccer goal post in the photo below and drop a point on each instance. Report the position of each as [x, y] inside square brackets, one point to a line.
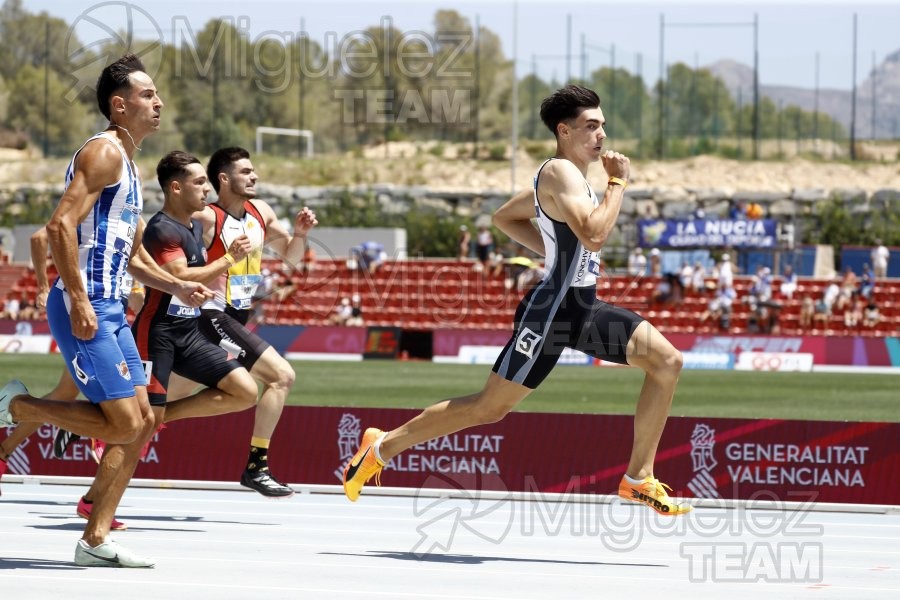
[305, 133]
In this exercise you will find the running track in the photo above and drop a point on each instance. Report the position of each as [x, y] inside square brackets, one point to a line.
[231, 543]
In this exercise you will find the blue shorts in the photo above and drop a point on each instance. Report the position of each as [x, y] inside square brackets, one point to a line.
[106, 367]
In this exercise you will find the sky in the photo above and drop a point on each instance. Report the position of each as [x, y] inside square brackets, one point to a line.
[791, 33]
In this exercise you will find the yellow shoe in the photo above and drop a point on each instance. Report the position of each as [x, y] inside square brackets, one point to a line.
[652, 493]
[363, 465]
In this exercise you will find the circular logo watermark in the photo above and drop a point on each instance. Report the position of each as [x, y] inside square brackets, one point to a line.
[103, 33]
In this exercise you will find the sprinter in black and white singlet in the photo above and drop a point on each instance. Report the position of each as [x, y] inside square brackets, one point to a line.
[562, 311]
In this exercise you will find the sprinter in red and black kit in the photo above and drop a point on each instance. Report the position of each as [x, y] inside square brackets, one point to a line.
[239, 214]
[166, 331]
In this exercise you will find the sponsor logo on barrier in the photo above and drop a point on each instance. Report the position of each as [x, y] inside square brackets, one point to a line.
[570, 356]
[479, 355]
[35, 344]
[703, 441]
[795, 464]
[348, 432]
[775, 361]
[21, 459]
[723, 361]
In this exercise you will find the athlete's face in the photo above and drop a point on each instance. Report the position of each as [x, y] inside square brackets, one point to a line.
[194, 188]
[585, 134]
[242, 179]
[139, 107]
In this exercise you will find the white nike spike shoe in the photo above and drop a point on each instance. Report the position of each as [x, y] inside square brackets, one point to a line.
[109, 554]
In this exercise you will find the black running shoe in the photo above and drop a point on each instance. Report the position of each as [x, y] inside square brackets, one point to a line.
[62, 440]
[265, 484]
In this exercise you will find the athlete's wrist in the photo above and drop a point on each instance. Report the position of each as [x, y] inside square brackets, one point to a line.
[618, 181]
[229, 258]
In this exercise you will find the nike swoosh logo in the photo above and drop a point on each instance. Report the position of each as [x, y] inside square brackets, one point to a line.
[351, 472]
[114, 559]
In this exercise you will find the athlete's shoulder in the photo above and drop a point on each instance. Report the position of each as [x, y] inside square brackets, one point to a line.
[99, 160]
[162, 227]
[561, 168]
[262, 207]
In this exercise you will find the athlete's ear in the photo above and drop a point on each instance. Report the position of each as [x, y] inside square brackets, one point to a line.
[118, 105]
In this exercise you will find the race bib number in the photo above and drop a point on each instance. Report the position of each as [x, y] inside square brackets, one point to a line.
[179, 309]
[242, 288]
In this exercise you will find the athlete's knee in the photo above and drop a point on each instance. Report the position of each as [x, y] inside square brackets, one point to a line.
[284, 375]
[669, 363]
[490, 411]
[127, 430]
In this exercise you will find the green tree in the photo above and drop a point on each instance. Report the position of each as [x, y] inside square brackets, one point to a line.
[65, 127]
[26, 38]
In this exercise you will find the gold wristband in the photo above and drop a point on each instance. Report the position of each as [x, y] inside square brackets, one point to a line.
[619, 181]
[227, 256]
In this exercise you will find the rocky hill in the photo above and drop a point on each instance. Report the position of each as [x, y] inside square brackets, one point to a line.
[835, 103]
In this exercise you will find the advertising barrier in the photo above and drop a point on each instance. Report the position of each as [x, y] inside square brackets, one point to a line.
[709, 233]
[775, 361]
[699, 457]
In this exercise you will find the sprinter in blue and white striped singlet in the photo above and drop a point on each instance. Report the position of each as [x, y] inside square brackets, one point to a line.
[106, 235]
[95, 235]
[561, 311]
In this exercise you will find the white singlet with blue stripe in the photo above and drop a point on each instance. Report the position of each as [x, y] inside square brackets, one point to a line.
[106, 235]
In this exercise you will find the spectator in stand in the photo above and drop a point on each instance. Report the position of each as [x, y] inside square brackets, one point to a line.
[342, 313]
[655, 263]
[483, 246]
[788, 282]
[669, 290]
[807, 311]
[880, 256]
[637, 263]
[765, 312]
[686, 276]
[849, 288]
[871, 316]
[28, 311]
[698, 281]
[755, 211]
[726, 271]
[496, 262]
[867, 282]
[719, 307]
[761, 286]
[356, 319]
[463, 242]
[368, 256]
[854, 312]
[825, 305]
[11, 308]
[738, 210]
[527, 272]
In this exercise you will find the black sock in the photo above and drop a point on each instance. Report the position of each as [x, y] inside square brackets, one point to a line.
[258, 460]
